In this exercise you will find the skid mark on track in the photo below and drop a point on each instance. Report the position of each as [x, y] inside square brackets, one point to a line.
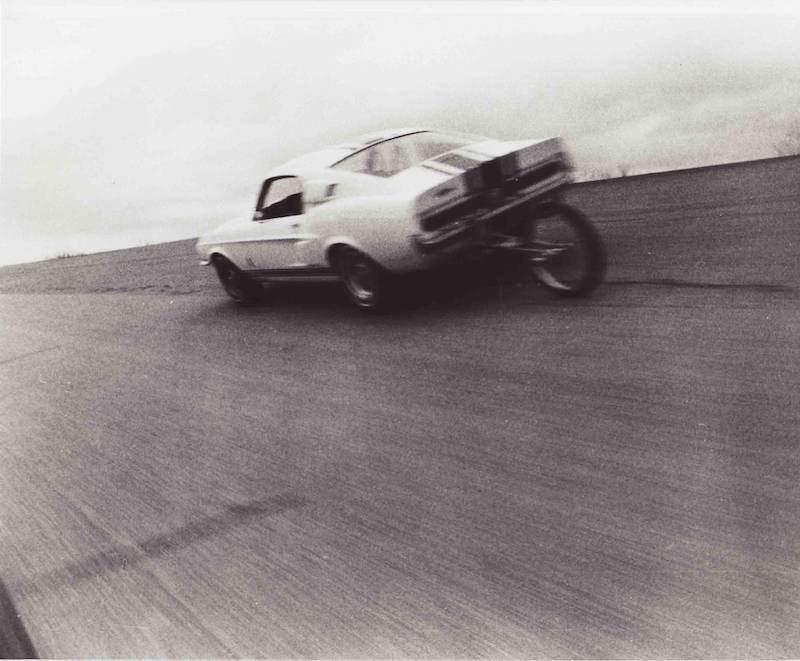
[667, 282]
[26, 355]
[122, 557]
[14, 640]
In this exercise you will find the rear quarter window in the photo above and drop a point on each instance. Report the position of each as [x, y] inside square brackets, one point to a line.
[387, 158]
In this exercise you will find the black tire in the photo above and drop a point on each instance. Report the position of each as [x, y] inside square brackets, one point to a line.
[572, 261]
[365, 283]
[236, 284]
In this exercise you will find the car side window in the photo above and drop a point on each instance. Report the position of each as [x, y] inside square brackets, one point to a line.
[282, 196]
[382, 160]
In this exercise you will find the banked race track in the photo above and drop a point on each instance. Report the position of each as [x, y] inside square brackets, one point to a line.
[490, 472]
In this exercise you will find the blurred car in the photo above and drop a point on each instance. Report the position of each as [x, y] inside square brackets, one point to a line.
[406, 200]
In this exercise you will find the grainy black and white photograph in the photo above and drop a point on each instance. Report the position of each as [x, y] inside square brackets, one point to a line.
[451, 329]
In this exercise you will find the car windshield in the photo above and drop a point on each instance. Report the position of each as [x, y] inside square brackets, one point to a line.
[387, 158]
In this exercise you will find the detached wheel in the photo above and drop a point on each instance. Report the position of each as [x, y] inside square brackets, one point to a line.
[235, 283]
[564, 250]
[365, 283]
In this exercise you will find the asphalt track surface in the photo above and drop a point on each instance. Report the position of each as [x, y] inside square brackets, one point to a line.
[491, 473]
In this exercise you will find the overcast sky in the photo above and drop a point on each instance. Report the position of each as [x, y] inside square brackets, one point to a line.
[133, 122]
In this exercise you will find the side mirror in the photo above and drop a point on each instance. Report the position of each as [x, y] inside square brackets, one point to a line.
[317, 192]
[259, 215]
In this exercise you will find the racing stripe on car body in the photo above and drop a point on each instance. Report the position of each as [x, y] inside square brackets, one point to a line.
[456, 160]
[291, 272]
[438, 167]
[488, 171]
[470, 167]
[482, 171]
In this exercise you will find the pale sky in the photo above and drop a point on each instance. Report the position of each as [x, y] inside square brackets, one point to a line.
[132, 122]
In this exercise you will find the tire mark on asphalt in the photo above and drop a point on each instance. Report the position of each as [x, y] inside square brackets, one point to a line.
[124, 556]
[669, 282]
[26, 355]
[14, 640]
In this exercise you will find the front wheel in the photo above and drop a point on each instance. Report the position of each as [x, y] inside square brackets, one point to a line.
[236, 284]
[563, 249]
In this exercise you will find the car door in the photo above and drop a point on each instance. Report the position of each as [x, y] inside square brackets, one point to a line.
[279, 218]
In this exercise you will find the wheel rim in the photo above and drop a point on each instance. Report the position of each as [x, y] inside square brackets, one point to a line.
[359, 278]
[562, 262]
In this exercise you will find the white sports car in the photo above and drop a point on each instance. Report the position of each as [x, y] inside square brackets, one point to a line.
[407, 200]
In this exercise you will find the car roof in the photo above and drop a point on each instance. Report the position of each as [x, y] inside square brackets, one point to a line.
[362, 141]
[325, 158]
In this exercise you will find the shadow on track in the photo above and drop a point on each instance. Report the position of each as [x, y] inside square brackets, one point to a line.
[455, 289]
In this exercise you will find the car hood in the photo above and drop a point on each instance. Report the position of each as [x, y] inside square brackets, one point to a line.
[211, 235]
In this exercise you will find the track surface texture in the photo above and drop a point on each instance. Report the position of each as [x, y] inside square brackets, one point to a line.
[489, 473]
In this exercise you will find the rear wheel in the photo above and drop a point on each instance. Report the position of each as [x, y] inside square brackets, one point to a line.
[564, 250]
[365, 283]
[235, 283]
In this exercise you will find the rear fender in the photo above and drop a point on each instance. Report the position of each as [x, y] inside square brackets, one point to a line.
[378, 227]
